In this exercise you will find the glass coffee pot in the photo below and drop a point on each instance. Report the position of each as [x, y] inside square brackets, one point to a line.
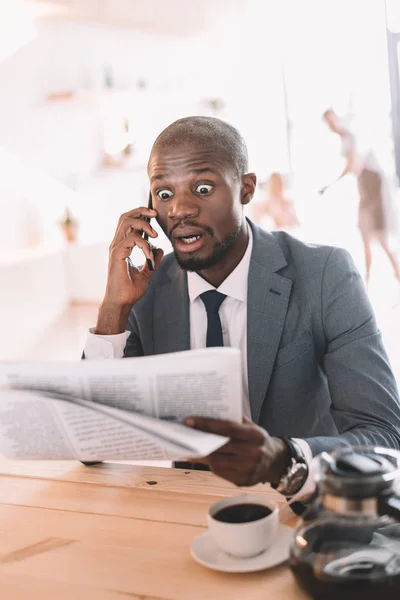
[348, 543]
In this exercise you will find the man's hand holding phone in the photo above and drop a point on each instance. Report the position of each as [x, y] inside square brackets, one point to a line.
[126, 284]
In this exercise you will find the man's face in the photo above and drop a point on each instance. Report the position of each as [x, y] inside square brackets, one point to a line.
[199, 203]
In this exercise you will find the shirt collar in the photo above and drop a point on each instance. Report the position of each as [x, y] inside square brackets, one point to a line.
[234, 286]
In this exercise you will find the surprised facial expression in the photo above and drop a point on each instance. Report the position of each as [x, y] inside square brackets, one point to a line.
[199, 199]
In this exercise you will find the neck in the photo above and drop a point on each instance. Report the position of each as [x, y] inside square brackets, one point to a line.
[217, 274]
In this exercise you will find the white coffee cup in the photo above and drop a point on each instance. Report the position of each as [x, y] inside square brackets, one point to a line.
[248, 538]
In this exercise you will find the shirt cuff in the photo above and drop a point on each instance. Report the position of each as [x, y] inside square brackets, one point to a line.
[308, 487]
[103, 347]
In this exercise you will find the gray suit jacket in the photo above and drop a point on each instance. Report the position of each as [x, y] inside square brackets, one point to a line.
[317, 367]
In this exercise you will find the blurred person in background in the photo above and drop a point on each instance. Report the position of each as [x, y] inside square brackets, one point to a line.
[278, 206]
[376, 213]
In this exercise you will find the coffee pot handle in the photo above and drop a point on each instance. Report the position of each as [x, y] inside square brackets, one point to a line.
[389, 504]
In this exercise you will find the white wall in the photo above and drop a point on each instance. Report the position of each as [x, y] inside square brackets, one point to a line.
[65, 138]
[33, 294]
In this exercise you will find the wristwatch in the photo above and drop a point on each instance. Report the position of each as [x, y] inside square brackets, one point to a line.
[296, 473]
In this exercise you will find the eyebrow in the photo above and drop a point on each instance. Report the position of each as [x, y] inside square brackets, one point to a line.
[162, 176]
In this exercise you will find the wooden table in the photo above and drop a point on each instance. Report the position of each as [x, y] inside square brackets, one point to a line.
[117, 531]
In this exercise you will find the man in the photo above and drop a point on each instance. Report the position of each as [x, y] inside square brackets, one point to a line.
[315, 373]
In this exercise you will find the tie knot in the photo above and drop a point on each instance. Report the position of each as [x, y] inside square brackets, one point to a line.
[212, 301]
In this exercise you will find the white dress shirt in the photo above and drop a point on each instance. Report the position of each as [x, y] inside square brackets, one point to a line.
[233, 315]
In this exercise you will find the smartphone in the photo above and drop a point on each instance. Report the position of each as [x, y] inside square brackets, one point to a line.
[150, 261]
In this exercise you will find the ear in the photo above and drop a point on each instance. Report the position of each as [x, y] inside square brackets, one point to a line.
[249, 182]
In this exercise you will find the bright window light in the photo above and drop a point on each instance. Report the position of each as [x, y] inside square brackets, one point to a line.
[17, 26]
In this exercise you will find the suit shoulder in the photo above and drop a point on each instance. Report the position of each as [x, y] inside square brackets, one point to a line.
[313, 260]
[290, 244]
[295, 250]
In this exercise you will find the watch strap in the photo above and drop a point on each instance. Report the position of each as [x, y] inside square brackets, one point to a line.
[295, 449]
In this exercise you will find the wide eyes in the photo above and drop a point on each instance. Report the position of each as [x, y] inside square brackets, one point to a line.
[202, 189]
[164, 194]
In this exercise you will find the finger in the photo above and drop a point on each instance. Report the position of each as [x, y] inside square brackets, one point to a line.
[157, 254]
[129, 225]
[139, 225]
[139, 213]
[237, 431]
[128, 243]
[239, 449]
[231, 463]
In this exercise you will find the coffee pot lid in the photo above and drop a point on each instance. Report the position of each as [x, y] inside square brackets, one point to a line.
[357, 472]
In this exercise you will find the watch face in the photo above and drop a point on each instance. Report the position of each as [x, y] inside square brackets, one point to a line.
[295, 478]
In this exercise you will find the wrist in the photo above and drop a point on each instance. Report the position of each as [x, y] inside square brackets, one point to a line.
[112, 318]
[295, 475]
[282, 461]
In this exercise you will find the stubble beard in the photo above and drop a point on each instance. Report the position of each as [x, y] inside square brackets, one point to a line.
[219, 252]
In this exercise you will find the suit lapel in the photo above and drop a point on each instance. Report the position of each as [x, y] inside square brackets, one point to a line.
[171, 314]
[267, 304]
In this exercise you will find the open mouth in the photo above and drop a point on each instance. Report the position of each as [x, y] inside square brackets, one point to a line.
[189, 239]
[189, 243]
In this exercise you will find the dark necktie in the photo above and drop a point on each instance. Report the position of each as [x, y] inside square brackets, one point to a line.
[212, 301]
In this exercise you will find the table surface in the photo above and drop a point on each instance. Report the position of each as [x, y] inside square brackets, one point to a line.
[117, 530]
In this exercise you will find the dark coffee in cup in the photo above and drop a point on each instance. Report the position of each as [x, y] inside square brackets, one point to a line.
[242, 513]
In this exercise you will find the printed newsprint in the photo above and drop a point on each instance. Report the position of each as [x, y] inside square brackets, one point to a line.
[126, 409]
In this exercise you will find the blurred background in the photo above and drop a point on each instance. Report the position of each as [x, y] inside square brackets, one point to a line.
[85, 87]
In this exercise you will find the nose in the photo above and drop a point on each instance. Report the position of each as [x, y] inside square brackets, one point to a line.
[182, 207]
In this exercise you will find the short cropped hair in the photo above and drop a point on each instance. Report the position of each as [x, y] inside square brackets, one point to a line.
[207, 132]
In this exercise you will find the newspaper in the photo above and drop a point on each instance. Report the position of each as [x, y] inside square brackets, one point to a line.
[127, 409]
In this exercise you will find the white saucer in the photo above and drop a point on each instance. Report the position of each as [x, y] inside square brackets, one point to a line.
[205, 552]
